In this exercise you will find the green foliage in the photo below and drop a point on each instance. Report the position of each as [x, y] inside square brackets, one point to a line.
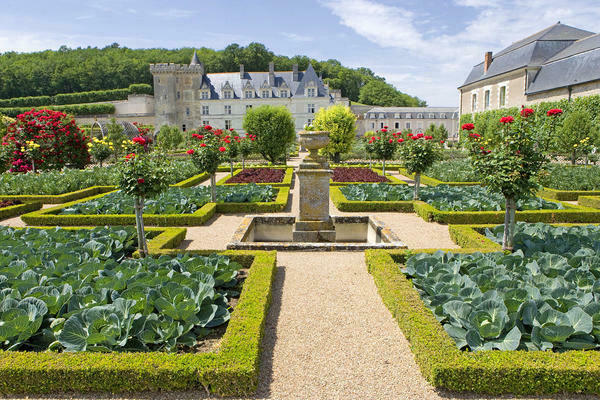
[419, 152]
[75, 109]
[93, 298]
[173, 200]
[169, 137]
[378, 92]
[459, 170]
[564, 177]
[143, 175]
[100, 149]
[340, 122]
[208, 150]
[509, 302]
[274, 130]
[69, 180]
[444, 198]
[577, 136]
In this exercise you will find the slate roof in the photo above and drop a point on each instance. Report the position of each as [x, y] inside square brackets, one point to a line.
[533, 51]
[578, 63]
[390, 112]
[216, 81]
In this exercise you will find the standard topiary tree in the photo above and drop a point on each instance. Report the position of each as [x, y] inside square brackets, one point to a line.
[418, 152]
[383, 144]
[340, 122]
[274, 130]
[207, 152]
[510, 162]
[577, 136]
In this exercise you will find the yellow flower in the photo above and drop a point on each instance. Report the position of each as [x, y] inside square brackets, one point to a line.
[23, 149]
[575, 145]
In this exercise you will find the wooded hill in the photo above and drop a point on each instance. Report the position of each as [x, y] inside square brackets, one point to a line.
[113, 67]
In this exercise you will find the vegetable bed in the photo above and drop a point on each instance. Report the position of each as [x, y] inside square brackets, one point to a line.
[173, 200]
[258, 175]
[69, 180]
[76, 290]
[444, 198]
[356, 174]
[544, 296]
[453, 171]
[578, 178]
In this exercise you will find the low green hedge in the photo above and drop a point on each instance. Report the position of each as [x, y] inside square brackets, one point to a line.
[490, 372]
[467, 237]
[287, 178]
[75, 109]
[589, 201]
[51, 216]
[60, 198]
[248, 164]
[566, 195]
[232, 371]
[193, 181]
[571, 213]
[393, 179]
[343, 204]
[13, 211]
[429, 181]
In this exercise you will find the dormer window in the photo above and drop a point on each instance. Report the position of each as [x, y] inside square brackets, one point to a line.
[408, 116]
[265, 93]
[431, 116]
[373, 116]
[419, 115]
[396, 115]
[248, 94]
[205, 95]
[283, 93]
[311, 92]
[227, 94]
[381, 115]
[443, 116]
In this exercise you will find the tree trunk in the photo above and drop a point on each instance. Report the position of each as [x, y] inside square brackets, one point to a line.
[370, 162]
[383, 169]
[231, 167]
[243, 163]
[417, 186]
[213, 188]
[586, 160]
[33, 166]
[573, 159]
[509, 223]
[139, 223]
[336, 158]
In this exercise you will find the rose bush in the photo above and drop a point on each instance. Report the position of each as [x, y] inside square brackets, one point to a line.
[60, 139]
[209, 151]
[419, 152]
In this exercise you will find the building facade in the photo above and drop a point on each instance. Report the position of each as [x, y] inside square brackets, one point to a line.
[417, 119]
[557, 63]
[187, 97]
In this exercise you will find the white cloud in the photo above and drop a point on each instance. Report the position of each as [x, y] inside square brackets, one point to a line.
[445, 56]
[297, 38]
[174, 13]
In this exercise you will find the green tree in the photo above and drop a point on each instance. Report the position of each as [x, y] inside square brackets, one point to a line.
[419, 152]
[441, 133]
[274, 130]
[378, 92]
[115, 133]
[577, 136]
[340, 122]
[169, 137]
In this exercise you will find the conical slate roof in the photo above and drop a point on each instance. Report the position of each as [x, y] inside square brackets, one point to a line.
[195, 59]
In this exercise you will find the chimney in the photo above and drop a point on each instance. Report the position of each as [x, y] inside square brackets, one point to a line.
[271, 74]
[241, 71]
[487, 61]
[295, 76]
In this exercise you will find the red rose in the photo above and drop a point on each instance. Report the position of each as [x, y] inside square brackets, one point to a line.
[141, 180]
[384, 130]
[526, 112]
[208, 127]
[190, 151]
[139, 140]
[391, 140]
[507, 120]
[222, 149]
[554, 112]
[385, 127]
[400, 140]
[468, 127]
[202, 144]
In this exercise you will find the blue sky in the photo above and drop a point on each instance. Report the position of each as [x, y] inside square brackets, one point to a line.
[423, 47]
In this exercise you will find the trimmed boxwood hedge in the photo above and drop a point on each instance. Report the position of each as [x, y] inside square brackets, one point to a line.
[232, 371]
[491, 372]
[287, 178]
[429, 181]
[51, 216]
[567, 195]
[343, 204]
[589, 201]
[393, 179]
[74, 109]
[12, 211]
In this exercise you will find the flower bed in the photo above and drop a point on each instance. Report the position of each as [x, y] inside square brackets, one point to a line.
[233, 370]
[281, 176]
[9, 203]
[356, 174]
[258, 175]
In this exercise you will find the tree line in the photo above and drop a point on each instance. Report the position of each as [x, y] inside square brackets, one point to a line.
[66, 70]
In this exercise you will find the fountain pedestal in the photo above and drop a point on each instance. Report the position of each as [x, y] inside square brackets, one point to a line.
[314, 223]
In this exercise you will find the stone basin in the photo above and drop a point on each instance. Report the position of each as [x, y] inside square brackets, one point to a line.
[313, 140]
[353, 233]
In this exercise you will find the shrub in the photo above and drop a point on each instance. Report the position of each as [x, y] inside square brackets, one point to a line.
[169, 137]
[61, 140]
[340, 122]
[419, 152]
[207, 152]
[141, 88]
[274, 130]
[76, 109]
[577, 136]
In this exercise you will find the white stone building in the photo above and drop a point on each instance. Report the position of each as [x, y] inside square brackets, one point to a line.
[188, 97]
[416, 119]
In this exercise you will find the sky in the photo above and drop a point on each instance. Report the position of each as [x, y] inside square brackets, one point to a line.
[424, 48]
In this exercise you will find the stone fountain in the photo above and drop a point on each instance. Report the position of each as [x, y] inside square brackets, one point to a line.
[313, 229]
[314, 223]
